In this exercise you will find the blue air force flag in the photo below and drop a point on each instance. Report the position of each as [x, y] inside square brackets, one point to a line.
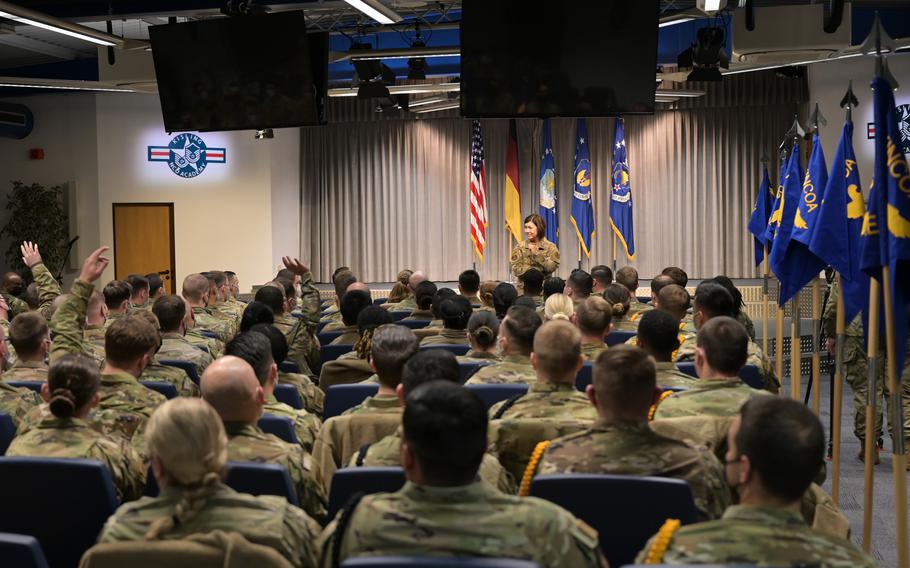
[548, 209]
[786, 212]
[582, 208]
[758, 222]
[621, 195]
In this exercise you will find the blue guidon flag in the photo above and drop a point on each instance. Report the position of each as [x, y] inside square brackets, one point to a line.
[187, 155]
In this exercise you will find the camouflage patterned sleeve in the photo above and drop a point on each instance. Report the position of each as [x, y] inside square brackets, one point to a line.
[127, 470]
[709, 487]
[16, 306]
[309, 490]
[48, 288]
[829, 315]
[68, 323]
[309, 299]
[303, 346]
[570, 543]
[520, 261]
[303, 532]
[547, 258]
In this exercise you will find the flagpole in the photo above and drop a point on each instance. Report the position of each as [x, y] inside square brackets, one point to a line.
[614, 251]
[816, 355]
[579, 255]
[779, 344]
[871, 396]
[766, 308]
[840, 328]
[795, 349]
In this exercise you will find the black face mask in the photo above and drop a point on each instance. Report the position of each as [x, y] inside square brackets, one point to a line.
[17, 290]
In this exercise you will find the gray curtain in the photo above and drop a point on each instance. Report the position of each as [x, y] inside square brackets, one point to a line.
[380, 195]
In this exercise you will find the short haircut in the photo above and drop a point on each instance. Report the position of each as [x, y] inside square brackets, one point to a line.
[603, 274]
[725, 343]
[594, 315]
[659, 282]
[338, 271]
[469, 281]
[619, 298]
[785, 443]
[557, 348]
[285, 273]
[520, 326]
[423, 294]
[674, 298]
[170, 311]
[483, 326]
[128, 338]
[455, 312]
[72, 381]
[391, 348]
[445, 425]
[254, 313]
[553, 285]
[581, 282]
[503, 297]
[628, 277]
[254, 348]
[27, 331]
[372, 317]
[678, 275]
[439, 297]
[526, 301]
[714, 300]
[276, 339]
[341, 282]
[230, 274]
[137, 283]
[532, 280]
[352, 303]
[155, 282]
[272, 297]
[195, 286]
[659, 331]
[625, 375]
[728, 284]
[115, 293]
[429, 365]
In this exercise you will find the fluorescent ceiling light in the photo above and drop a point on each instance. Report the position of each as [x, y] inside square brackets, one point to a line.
[402, 89]
[428, 101]
[376, 10]
[448, 105]
[405, 53]
[791, 64]
[674, 22]
[678, 93]
[28, 83]
[37, 19]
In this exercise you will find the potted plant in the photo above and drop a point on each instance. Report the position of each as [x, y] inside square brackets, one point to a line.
[36, 214]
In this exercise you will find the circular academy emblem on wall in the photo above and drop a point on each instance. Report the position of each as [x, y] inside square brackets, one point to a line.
[187, 156]
[903, 125]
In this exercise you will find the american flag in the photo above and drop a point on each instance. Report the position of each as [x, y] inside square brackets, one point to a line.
[479, 219]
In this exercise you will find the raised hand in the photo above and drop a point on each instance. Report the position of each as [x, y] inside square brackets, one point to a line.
[294, 265]
[94, 265]
[30, 254]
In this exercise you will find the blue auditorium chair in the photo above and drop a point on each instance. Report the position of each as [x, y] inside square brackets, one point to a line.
[187, 367]
[351, 480]
[289, 367]
[644, 299]
[339, 398]
[260, 479]
[618, 337]
[7, 432]
[492, 393]
[327, 337]
[289, 395]
[435, 562]
[31, 385]
[750, 374]
[455, 349]
[167, 389]
[21, 551]
[209, 334]
[468, 368]
[320, 326]
[414, 324]
[398, 315]
[380, 301]
[280, 426]
[584, 376]
[687, 367]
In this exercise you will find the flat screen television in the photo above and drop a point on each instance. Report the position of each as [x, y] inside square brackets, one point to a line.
[570, 58]
[239, 73]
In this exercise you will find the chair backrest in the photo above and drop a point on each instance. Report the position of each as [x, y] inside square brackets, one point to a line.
[280, 426]
[61, 502]
[209, 334]
[380, 301]
[435, 562]
[260, 479]
[289, 395]
[468, 368]
[7, 432]
[31, 385]
[492, 393]
[167, 389]
[348, 481]
[456, 349]
[585, 376]
[327, 337]
[188, 367]
[398, 315]
[751, 375]
[687, 367]
[414, 324]
[644, 299]
[625, 510]
[331, 352]
[289, 367]
[21, 551]
[320, 326]
[616, 337]
[339, 398]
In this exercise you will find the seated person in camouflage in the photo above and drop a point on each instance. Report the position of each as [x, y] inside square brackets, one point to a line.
[391, 347]
[657, 284]
[71, 391]
[255, 348]
[410, 301]
[231, 387]
[303, 346]
[310, 394]
[516, 341]
[16, 402]
[254, 313]
[444, 440]
[157, 372]
[483, 330]
[31, 338]
[503, 296]
[400, 289]
[627, 276]
[553, 285]
[620, 442]
[278, 295]
[532, 284]
[558, 307]
[658, 336]
[556, 360]
[619, 298]
[776, 447]
[679, 276]
[423, 297]
[343, 281]
[221, 285]
[156, 286]
[720, 354]
[593, 316]
[469, 287]
[387, 451]
[712, 300]
[117, 299]
[603, 277]
[739, 312]
[676, 300]
[46, 288]
[441, 295]
[234, 289]
[189, 450]
[454, 313]
[352, 303]
[354, 366]
[579, 286]
[139, 287]
[486, 296]
[196, 294]
[171, 314]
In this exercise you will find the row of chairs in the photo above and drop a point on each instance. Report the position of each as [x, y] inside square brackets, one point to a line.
[327, 337]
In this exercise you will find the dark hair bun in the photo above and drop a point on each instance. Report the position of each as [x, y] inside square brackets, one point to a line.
[63, 403]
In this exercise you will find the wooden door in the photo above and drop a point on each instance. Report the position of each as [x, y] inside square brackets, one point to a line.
[144, 240]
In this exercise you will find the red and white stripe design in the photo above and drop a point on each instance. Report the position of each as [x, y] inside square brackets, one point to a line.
[214, 154]
[478, 190]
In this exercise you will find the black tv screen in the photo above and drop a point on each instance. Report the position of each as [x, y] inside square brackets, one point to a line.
[567, 58]
[237, 73]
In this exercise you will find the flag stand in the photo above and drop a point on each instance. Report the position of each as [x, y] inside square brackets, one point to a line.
[579, 255]
[871, 396]
[779, 344]
[840, 327]
[766, 308]
[614, 252]
[795, 349]
[816, 355]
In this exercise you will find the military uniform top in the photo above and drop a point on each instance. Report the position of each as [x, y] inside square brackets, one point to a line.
[760, 536]
[267, 520]
[420, 315]
[471, 520]
[634, 449]
[17, 402]
[408, 303]
[176, 346]
[350, 336]
[636, 308]
[338, 325]
[48, 288]
[247, 443]
[512, 369]
[545, 258]
[209, 320]
[306, 425]
[754, 356]
[379, 404]
[551, 401]
[176, 376]
[447, 337]
[76, 438]
[26, 371]
[303, 345]
[215, 347]
[311, 395]
[330, 318]
[669, 375]
[309, 303]
[473, 356]
[829, 317]
[712, 397]
[590, 351]
[744, 319]
[68, 323]
[625, 322]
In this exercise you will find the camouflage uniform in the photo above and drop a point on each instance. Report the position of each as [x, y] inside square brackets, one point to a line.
[311, 394]
[379, 404]
[209, 320]
[447, 337]
[550, 401]
[247, 443]
[306, 425]
[512, 369]
[471, 520]
[385, 453]
[214, 347]
[26, 371]
[228, 310]
[590, 351]
[744, 319]
[350, 336]
[759, 536]
[303, 346]
[408, 303]
[343, 371]
[17, 402]
[754, 356]
[625, 323]
[267, 520]
[330, 318]
[478, 357]
[420, 315]
[513, 440]
[669, 375]
[545, 258]
[75, 438]
[637, 309]
[68, 324]
[712, 397]
[309, 303]
[634, 449]
[48, 289]
[155, 371]
[175, 346]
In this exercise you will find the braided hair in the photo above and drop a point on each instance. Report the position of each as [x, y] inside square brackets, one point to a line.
[72, 382]
[367, 321]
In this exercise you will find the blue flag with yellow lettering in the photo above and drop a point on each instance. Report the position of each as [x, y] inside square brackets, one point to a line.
[886, 226]
[836, 238]
[775, 212]
[758, 222]
[582, 208]
[621, 196]
[789, 203]
[548, 186]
